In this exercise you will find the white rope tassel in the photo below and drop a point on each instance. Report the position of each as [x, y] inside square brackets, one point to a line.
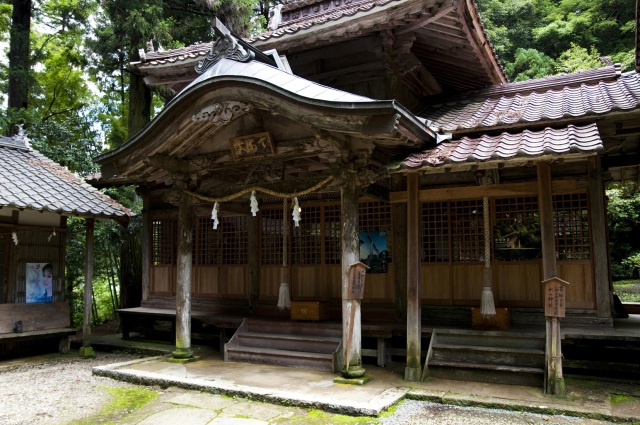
[296, 212]
[284, 297]
[214, 216]
[254, 204]
[487, 307]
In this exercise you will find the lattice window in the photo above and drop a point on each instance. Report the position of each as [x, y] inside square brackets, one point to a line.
[209, 243]
[517, 229]
[235, 239]
[332, 232]
[571, 222]
[374, 227]
[435, 232]
[271, 236]
[306, 240]
[164, 241]
[467, 230]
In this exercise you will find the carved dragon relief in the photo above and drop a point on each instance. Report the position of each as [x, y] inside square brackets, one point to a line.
[221, 113]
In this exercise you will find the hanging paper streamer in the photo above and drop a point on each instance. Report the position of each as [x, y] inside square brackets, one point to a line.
[214, 216]
[296, 212]
[254, 204]
[14, 236]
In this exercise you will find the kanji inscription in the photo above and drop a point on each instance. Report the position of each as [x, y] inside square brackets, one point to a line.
[555, 297]
[253, 145]
[357, 274]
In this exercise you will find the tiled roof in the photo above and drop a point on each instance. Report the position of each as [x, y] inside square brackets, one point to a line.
[570, 139]
[301, 24]
[546, 99]
[30, 180]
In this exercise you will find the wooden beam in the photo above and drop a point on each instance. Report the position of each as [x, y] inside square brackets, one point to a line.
[413, 369]
[436, 13]
[600, 252]
[146, 245]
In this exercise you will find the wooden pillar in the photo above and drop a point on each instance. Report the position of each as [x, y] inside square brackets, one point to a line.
[183, 280]
[146, 246]
[600, 251]
[350, 243]
[254, 261]
[399, 232]
[413, 370]
[553, 379]
[86, 350]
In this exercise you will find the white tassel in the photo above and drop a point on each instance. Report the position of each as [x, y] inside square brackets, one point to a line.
[214, 216]
[487, 306]
[296, 212]
[14, 236]
[254, 204]
[284, 297]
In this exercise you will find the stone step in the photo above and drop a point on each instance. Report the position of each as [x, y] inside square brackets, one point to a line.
[301, 343]
[271, 356]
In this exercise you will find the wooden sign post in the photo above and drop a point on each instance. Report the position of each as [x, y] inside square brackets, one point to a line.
[355, 293]
[555, 300]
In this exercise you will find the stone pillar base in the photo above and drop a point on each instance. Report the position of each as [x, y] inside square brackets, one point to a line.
[413, 374]
[354, 371]
[182, 353]
[87, 352]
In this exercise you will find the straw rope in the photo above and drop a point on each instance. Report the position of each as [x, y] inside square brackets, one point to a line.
[262, 190]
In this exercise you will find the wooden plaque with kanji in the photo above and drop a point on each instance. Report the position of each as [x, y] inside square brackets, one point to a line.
[555, 298]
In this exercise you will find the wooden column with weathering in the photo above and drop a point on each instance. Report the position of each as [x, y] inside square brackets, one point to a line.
[86, 350]
[146, 245]
[350, 243]
[399, 249]
[183, 278]
[553, 378]
[413, 370]
[600, 250]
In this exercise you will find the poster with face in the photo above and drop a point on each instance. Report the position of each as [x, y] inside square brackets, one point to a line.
[39, 282]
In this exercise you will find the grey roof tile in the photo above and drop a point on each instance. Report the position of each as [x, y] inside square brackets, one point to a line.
[570, 96]
[30, 180]
[570, 139]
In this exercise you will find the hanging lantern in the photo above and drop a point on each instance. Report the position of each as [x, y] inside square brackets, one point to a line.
[254, 203]
[296, 212]
[214, 216]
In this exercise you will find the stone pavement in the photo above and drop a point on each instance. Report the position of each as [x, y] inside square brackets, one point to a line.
[596, 398]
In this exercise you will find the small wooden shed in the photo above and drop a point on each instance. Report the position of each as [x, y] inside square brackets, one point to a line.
[36, 197]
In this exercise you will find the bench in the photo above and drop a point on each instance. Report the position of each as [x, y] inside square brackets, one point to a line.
[39, 321]
[205, 313]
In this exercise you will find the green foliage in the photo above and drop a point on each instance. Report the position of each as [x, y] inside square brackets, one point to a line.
[623, 211]
[530, 36]
[578, 59]
[627, 290]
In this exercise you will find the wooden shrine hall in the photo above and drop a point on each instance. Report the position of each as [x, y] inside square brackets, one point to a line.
[280, 168]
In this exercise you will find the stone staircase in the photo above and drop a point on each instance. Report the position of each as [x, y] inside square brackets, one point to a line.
[293, 344]
[487, 356]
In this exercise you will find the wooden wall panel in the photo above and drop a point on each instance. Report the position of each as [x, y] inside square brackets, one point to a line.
[379, 286]
[206, 280]
[517, 284]
[269, 282]
[436, 283]
[581, 291]
[334, 282]
[307, 282]
[467, 283]
[234, 281]
[163, 280]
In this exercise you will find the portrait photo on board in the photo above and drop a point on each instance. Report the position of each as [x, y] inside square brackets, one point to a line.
[39, 282]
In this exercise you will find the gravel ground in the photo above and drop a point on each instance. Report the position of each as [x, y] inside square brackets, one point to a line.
[58, 390]
[55, 391]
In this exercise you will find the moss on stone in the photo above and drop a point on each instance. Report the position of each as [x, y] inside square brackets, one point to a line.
[122, 401]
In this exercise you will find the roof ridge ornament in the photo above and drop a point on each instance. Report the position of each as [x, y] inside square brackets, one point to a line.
[226, 46]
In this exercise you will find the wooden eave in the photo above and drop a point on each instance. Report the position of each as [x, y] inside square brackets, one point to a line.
[175, 137]
[449, 41]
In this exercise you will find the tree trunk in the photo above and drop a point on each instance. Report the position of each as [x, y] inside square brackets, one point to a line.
[19, 56]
